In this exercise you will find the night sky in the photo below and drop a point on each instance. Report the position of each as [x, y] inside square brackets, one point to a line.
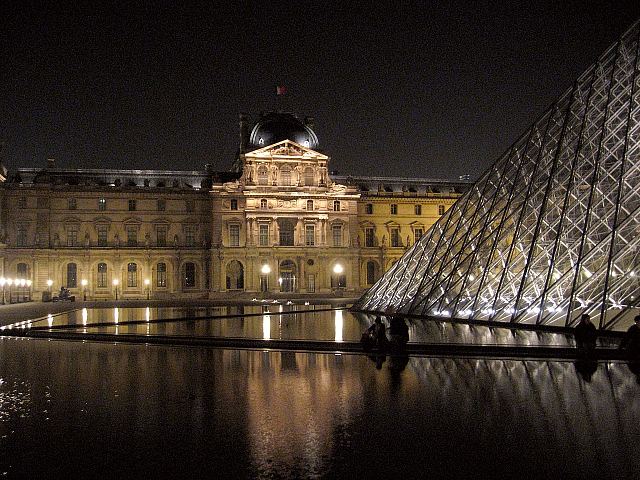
[435, 89]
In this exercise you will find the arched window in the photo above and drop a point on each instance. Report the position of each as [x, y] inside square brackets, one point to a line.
[309, 179]
[263, 175]
[102, 275]
[371, 273]
[309, 205]
[263, 203]
[285, 175]
[189, 279]
[161, 275]
[22, 271]
[132, 275]
[72, 275]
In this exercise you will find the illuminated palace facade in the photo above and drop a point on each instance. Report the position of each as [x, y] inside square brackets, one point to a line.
[278, 222]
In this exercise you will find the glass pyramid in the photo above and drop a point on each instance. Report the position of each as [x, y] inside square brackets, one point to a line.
[552, 229]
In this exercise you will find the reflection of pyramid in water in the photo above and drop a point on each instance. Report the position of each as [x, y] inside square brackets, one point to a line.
[552, 229]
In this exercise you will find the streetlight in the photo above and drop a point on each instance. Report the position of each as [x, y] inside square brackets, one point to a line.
[29, 282]
[115, 284]
[338, 269]
[49, 283]
[264, 278]
[3, 281]
[146, 286]
[84, 284]
[10, 282]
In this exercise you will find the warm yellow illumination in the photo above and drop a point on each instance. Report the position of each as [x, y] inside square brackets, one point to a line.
[266, 327]
[266, 269]
[84, 282]
[146, 282]
[49, 283]
[147, 315]
[84, 316]
[116, 315]
[339, 322]
[338, 269]
[115, 282]
[50, 320]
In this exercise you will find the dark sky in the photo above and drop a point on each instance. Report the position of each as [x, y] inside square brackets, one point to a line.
[432, 89]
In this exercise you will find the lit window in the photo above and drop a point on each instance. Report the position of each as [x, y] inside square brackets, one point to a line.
[72, 275]
[395, 237]
[132, 236]
[132, 205]
[309, 235]
[132, 275]
[102, 204]
[161, 275]
[234, 235]
[394, 209]
[102, 275]
[72, 236]
[336, 231]
[264, 235]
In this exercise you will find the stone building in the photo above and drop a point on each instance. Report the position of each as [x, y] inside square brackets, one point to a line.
[278, 222]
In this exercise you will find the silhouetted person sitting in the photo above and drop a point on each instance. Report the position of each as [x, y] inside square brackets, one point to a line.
[377, 334]
[585, 335]
[631, 340]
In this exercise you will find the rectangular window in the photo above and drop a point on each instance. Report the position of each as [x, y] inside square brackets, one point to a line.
[102, 275]
[369, 238]
[190, 205]
[132, 236]
[336, 205]
[161, 277]
[43, 202]
[418, 209]
[234, 204]
[72, 204]
[309, 235]
[440, 209]
[336, 231]
[394, 209]
[72, 236]
[132, 275]
[264, 235]
[132, 205]
[234, 235]
[395, 237]
[162, 205]
[161, 235]
[102, 235]
[417, 234]
[368, 208]
[22, 202]
[21, 236]
[102, 204]
[190, 235]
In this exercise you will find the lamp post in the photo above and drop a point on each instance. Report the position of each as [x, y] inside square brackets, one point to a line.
[29, 282]
[3, 281]
[337, 270]
[146, 286]
[115, 284]
[49, 283]
[264, 278]
[10, 282]
[84, 284]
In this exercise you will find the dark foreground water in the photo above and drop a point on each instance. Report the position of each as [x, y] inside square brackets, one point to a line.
[97, 410]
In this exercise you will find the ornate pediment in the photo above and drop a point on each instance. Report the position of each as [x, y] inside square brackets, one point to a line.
[286, 149]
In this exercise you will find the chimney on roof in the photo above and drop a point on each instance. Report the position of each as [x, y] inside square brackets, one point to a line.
[51, 163]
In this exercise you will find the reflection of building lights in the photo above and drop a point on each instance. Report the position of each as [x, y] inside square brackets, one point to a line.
[147, 314]
[84, 316]
[50, 320]
[266, 327]
[116, 315]
[339, 322]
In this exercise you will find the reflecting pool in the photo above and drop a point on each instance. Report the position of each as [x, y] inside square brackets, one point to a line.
[123, 410]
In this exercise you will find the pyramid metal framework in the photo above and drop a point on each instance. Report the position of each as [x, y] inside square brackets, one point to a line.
[552, 229]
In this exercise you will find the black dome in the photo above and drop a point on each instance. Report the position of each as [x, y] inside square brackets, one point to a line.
[275, 127]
